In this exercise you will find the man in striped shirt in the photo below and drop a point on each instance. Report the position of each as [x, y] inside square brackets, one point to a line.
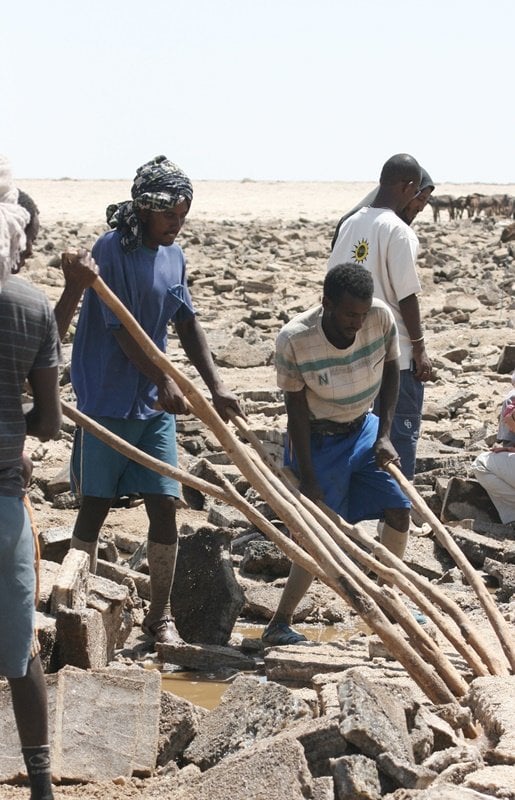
[332, 361]
[29, 351]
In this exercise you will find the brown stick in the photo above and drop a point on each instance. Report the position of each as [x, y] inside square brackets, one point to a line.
[415, 665]
[497, 621]
[330, 574]
[428, 597]
[394, 571]
[385, 598]
[219, 488]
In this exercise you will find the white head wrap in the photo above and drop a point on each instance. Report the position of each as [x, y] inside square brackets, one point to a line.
[13, 221]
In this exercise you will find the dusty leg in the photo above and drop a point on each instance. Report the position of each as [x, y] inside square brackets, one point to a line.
[91, 517]
[29, 699]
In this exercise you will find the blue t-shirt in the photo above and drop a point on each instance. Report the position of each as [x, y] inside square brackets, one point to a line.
[152, 285]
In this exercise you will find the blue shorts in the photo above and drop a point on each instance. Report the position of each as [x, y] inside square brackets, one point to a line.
[407, 421]
[97, 470]
[346, 471]
[17, 588]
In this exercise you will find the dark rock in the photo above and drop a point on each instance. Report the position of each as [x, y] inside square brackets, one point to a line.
[206, 597]
[466, 499]
[457, 356]
[506, 361]
[264, 557]
[66, 500]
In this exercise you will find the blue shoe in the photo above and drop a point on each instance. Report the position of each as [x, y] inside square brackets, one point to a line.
[278, 634]
[417, 614]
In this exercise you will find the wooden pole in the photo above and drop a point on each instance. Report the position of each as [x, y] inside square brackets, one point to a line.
[421, 672]
[497, 621]
[385, 598]
[219, 488]
[323, 567]
[394, 571]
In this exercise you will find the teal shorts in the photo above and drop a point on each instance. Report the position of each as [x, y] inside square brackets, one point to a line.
[97, 470]
[17, 588]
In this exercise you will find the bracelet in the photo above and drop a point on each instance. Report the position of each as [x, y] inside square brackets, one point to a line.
[415, 341]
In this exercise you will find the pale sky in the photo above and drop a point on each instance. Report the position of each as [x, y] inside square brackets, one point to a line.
[259, 89]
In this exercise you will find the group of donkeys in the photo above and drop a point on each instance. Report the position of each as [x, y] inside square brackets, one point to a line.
[494, 205]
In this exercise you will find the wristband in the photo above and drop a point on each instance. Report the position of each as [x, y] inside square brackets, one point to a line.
[415, 341]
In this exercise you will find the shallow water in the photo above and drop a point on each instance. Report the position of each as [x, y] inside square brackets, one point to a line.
[199, 688]
[207, 689]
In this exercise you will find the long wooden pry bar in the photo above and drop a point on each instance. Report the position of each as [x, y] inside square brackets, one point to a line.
[319, 553]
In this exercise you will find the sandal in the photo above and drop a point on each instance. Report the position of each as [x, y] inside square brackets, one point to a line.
[279, 634]
[163, 631]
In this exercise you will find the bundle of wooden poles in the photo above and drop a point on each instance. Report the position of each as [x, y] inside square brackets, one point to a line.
[332, 550]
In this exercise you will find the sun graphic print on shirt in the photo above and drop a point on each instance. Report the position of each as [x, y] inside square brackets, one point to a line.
[360, 251]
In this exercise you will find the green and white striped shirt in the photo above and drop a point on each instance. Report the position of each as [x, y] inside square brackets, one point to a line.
[340, 384]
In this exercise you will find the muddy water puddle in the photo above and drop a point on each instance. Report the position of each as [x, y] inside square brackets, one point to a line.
[199, 688]
[207, 689]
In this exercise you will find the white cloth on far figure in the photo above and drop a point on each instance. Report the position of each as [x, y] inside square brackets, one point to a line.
[495, 471]
[13, 221]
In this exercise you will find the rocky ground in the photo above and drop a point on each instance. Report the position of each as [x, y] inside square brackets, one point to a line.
[247, 279]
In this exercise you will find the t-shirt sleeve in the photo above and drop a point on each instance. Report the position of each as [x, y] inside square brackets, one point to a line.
[401, 261]
[49, 353]
[289, 377]
[113, 277]
[391, 336]
[181, 293]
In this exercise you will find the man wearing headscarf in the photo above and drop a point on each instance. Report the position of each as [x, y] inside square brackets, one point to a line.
[120, 387]
[29, 350]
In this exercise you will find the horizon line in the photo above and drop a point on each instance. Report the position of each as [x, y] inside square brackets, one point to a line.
[65, 179]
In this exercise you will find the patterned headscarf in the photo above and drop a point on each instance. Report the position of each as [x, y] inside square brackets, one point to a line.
[158, 186]
[13, 221]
